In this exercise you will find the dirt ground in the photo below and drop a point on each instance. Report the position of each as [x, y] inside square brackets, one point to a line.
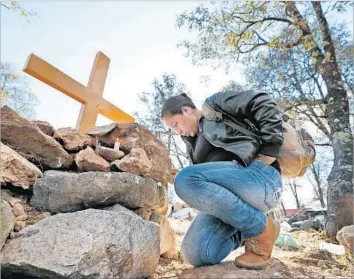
[307, 262]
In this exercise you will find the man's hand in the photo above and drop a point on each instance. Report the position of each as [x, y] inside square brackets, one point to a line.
[268, 160]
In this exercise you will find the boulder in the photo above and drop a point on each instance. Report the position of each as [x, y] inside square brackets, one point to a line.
[163, 210]
[135, 162]
[7, 222]
[88, 160]
[19, 225]
[84, 245]
[297, 224]
[345, 236]
[117, 208]
[144, 213]
[109, 153]
[167, 236]
[45, 127]
[67, 192]
[132, 135]
[27, 139]
[297, 218]
[311, 224]
[18, 209]
[16, 170]
[72, 139]
[10, 197]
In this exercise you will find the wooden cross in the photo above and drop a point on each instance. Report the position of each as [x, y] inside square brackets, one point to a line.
[90, 97]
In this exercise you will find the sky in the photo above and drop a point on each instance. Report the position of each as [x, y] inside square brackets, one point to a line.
[140, 38]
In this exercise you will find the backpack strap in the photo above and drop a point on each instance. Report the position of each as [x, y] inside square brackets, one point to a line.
[211, 114]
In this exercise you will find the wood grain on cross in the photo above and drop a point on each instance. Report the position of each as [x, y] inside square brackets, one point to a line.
[90, 97]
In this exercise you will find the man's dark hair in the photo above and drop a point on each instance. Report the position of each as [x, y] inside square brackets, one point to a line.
[174, 104]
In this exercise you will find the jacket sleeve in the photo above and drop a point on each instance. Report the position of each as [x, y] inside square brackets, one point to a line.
[260, 109]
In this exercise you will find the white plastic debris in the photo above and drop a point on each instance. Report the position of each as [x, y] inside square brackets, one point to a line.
[332, 248]
[284, 226]
[185, 213]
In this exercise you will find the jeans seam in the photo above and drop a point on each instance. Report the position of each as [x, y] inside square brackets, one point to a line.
[266, 196]
[276, 194]
[206, 171]
[209, 241]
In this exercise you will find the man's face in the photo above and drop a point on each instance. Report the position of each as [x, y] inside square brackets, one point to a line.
[185, 124]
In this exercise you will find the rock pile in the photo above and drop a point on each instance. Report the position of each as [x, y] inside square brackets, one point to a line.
[73, 206]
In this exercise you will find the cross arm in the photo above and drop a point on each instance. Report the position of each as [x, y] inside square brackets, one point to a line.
[42, 70]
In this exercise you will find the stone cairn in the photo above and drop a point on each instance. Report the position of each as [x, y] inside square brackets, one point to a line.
[75, 205]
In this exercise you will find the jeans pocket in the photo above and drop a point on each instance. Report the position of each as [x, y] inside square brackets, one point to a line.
[272, 194]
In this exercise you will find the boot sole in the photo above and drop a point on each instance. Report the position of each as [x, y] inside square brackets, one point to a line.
[253, 266]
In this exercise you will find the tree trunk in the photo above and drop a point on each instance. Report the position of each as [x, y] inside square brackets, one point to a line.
[320, 194]
[293, 187]
[340, 180]
[317, 187]
[297, 198]
[283, 207]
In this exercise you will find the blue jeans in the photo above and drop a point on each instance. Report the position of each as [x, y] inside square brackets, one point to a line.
[232, 200]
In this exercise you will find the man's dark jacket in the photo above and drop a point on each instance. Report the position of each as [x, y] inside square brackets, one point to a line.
[255, 111]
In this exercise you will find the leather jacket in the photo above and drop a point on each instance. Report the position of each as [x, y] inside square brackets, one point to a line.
[255, 111]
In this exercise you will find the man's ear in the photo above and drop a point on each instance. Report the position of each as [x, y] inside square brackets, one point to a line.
[186, 110]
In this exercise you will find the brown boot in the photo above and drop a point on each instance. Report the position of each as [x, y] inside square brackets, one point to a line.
[259, 248]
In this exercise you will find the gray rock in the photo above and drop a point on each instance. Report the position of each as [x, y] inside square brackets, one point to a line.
[88, 160]
[134, 135]
[117, 208]
[297, 218]
[297, 224]
[45, 127]
[168, 247]
[7, 222]
[135, 162]
[67, 192]
[27, 139]
[73, 139]
[346, 237]
[17, 170]
[109, 153]
[311, 224]
[88, 244]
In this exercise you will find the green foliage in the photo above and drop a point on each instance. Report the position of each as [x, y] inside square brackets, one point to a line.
[227, 30]
[282, 53]
[233, 86]
[295, 82]
[232, 31]
[15, 93]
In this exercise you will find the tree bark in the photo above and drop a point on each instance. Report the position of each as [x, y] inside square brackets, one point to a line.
[340, 180]
[283, 207]
[318, 188]
[293, 187]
